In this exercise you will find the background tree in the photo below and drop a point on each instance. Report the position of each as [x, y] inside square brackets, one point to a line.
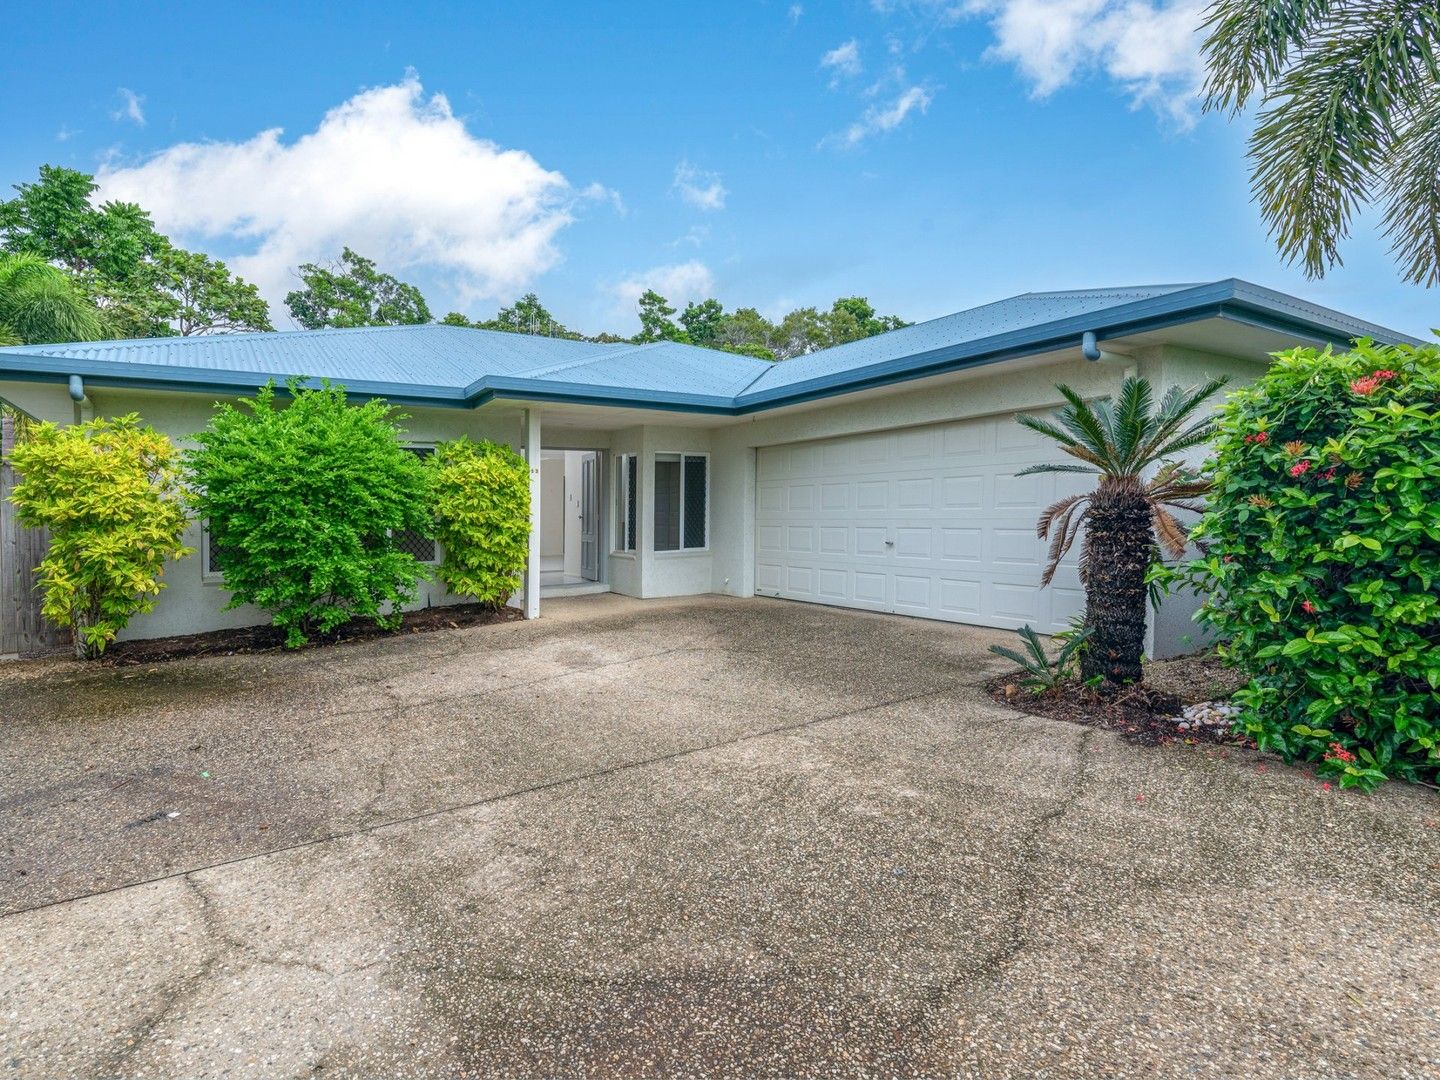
[143, 285]
[185, 293]
[655, 324]
[526, 316]
[746, 331]
[1128, 511]
[702, 322]
[1349, 97]
[353, 292]
[41, 304]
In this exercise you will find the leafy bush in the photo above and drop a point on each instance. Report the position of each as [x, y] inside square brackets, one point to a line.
[481, 501]
[1323, 538]
[110, 493]
[302, 502]
[1042, 675]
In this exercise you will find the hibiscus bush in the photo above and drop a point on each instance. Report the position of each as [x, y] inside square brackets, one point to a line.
[1322, 558]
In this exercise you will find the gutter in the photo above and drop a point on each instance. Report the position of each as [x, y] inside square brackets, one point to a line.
[1231, 299]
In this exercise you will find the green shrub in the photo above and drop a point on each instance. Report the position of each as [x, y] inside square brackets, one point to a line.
[1323, 538]
[302, 502]
[481, 500]
[1038, 673]
[110, 493]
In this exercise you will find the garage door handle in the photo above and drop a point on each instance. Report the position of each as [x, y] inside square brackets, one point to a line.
[889, 543]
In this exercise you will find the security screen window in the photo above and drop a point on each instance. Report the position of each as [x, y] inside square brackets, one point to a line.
[682, 497]
[626, 477]
[409, 541]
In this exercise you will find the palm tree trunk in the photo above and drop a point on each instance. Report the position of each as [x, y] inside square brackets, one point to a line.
[1119, 543]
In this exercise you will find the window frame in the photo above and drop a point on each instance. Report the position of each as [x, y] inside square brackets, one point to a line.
[207, 576]
[622, 487]
[429, 449]
[682, 549]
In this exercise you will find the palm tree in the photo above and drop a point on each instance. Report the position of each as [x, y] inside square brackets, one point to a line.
[1126, 513]
[1349, 114]
[40, 304]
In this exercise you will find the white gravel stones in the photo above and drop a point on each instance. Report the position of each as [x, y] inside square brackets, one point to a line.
[1203, 714]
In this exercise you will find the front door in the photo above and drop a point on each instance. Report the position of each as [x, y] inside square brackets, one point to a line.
[589, 512]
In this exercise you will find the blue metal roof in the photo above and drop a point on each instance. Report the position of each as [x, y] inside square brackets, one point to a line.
[447, 365]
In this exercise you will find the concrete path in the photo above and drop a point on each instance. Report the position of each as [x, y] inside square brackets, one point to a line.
[680, 838]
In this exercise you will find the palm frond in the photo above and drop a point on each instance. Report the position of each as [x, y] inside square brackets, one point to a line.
[1082, 421]
[1133, 418]
[1172, 535]
[1046, 428]
[1249, 43]
[1054, 510]
[1058, 467]
[1067, 525]
[1175, 408]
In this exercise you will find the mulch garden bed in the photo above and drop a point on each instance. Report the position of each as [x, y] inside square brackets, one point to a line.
[255, 639]
[1147, 713]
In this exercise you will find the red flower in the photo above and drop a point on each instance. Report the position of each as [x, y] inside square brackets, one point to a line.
[1386, 374]
[1307, 607]
[1300, 468]
[1328, 474]
[1258, 437]
[1368, 385]
[1339, 753]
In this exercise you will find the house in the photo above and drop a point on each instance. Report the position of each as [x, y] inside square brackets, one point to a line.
[880, 474]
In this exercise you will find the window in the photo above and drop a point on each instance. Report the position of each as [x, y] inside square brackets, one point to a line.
[682, 500]
[626, 483]
[210, 556]
[408, 540]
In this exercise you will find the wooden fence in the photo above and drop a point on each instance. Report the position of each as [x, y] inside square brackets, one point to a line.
[22, 629]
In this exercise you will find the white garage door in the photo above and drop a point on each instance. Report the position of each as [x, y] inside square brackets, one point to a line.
[928, 521]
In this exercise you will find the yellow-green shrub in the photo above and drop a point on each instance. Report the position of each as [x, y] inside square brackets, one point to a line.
[481, 500]
[110, 493]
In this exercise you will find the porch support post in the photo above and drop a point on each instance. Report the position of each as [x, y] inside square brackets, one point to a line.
[532, 558]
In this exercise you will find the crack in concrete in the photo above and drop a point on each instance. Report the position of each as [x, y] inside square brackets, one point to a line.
[174, 997]
[1016, 939]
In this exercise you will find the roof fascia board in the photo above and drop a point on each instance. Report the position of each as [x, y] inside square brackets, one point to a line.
[1229, 299]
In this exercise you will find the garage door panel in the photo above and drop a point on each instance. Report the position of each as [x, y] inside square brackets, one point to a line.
[870, 542]
[872, 495]
[870, 588]
[926, 521]
[912, 543]
[962, 492]
[962, 545]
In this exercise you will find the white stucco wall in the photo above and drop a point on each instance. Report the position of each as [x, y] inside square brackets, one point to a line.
[191, 603]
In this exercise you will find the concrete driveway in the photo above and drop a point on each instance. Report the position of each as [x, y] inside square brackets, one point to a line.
[679, 838]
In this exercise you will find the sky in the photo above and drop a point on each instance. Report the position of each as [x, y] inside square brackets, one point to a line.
[931, 155]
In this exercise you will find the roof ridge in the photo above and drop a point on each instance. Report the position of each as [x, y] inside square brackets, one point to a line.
[606, 354]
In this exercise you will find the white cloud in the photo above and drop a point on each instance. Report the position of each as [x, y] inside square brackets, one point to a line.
[679, 283]
[796, 10]
[130, 106]
[390, 172]
[696, 236]
[879, 119]
[843, 62]
[699, 188]
[1152, 49]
